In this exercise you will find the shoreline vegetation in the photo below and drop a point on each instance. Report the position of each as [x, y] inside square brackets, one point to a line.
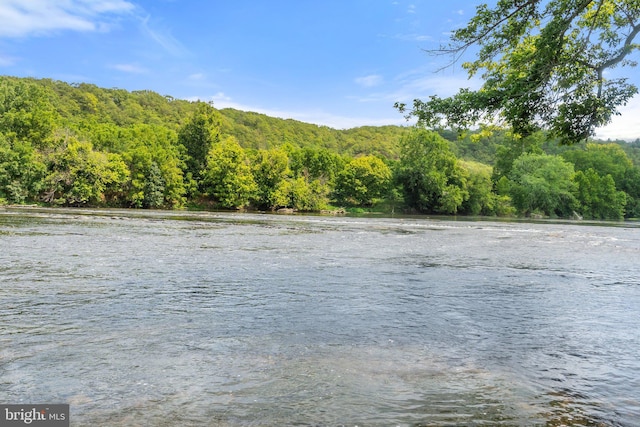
[79, 145]
[240, 215]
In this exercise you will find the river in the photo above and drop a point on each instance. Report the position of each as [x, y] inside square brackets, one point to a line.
[142, 318]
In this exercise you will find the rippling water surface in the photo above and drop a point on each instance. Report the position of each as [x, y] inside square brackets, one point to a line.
[163, 319]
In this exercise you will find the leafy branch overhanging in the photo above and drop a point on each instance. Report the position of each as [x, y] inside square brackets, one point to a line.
[545, 65]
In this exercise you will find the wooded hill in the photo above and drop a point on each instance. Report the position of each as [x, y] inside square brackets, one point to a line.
[82, 145]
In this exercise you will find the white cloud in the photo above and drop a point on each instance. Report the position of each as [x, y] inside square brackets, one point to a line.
[370, 80]
[110, 6]
[129, 68]
[419, 84]
[625, 126]
[22, 18]
[164, 38]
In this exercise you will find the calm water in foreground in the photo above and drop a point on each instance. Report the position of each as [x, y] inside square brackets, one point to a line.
[166, 319]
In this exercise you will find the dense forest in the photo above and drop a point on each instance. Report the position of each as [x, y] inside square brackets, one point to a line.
[81, 145]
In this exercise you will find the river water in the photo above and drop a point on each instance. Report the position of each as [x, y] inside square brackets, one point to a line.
[139, 318]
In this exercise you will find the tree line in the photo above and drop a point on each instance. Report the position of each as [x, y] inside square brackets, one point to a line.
[80, 145]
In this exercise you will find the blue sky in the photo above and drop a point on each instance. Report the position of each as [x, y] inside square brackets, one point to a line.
[341, 63]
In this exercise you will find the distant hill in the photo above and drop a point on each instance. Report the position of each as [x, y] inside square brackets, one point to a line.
[78, 106]
[255, 130]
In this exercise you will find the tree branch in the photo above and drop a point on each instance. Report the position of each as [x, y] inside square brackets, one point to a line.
[624, 51]
[485, 33]
[595, 18]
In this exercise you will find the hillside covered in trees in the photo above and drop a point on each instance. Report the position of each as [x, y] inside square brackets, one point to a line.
[80, 145]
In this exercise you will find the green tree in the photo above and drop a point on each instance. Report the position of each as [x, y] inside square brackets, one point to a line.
[21, 171]
[598, 196]
[228, 178]
[154, 161]
[541, 183]
[198, 135]
[482, 200]
[305, 195]
[315, 163]
[429, 174]
[544, 65]
[147, 187]
[154, 188]
[81, 176]
[26, 111]
[605, 159]
[270, 172]
[610, 159]
[631, 186]
[104, 136]
[363, 180]
[512, 147]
